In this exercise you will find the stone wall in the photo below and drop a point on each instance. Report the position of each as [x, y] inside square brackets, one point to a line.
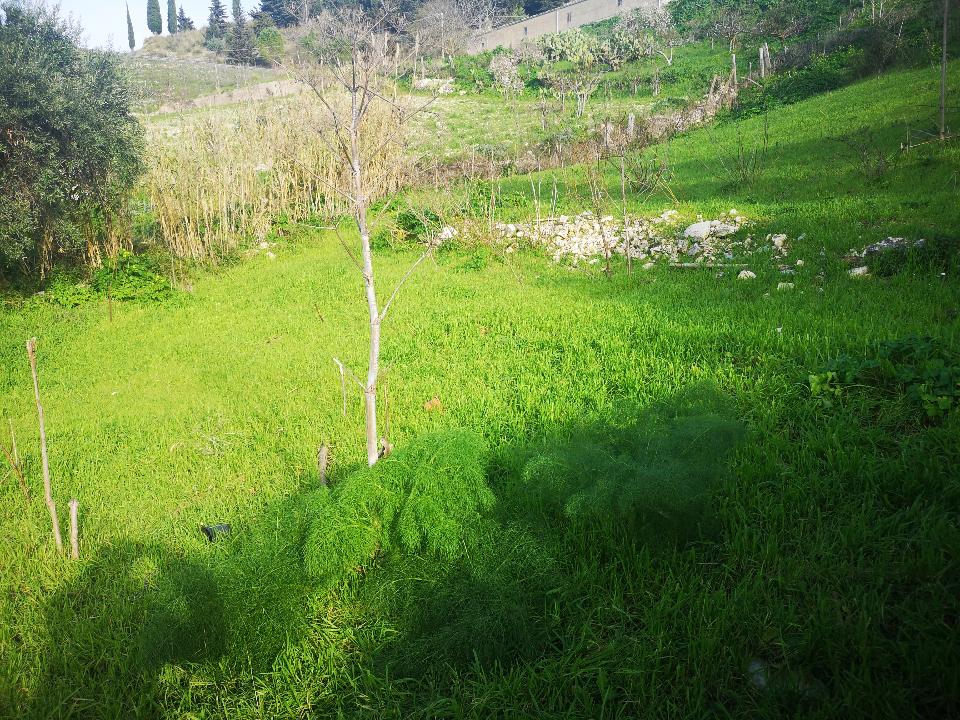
[568, 17]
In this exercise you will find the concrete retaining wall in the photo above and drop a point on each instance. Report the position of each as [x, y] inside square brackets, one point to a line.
[568, 17]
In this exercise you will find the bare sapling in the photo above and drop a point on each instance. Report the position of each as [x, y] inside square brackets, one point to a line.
[74, 529]
[47, 491]
[350, 70]
[13, 459]
[623, 207]
[943, 70]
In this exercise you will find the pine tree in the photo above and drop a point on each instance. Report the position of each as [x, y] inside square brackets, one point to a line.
[171, 17]
[154, 19]
[183, 22]
[217, 22]
[279, 10]
[241, 44]
[131, 40]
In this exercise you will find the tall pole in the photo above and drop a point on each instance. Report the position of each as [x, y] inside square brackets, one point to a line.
[943, 71]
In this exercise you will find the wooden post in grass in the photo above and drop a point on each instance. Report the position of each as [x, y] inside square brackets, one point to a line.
[13, 457]
[943, 71]
[323, 462]
[47, 493]
[74, 532]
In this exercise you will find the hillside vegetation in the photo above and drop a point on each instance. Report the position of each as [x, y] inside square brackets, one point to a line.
[665, 504]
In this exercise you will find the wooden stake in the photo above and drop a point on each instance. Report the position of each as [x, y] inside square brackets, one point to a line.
[323, 463]
[74, 532]
[14, 460]
[47, 493]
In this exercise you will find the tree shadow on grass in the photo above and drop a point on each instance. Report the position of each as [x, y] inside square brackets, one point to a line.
[139, 609]
[574, 515]
[135, 607]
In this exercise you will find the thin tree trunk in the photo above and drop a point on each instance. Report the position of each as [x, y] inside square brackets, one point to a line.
[47, 492]
[373, 367]
[623, 199]
[943, 71]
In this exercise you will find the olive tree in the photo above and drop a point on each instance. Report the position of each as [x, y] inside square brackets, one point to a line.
[70, 148]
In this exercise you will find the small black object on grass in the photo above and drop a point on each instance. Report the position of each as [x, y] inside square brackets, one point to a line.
[214, 531]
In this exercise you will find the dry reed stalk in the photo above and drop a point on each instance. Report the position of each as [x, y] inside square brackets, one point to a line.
[47, 491]
[221, 179]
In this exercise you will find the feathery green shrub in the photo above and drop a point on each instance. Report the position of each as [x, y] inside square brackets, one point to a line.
[428, 497]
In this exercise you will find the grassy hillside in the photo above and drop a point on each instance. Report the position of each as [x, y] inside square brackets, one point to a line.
[680, 528]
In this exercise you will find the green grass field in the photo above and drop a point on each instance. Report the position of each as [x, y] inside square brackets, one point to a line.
[678, 528]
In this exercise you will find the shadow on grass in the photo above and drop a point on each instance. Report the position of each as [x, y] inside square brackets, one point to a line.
[572, 514]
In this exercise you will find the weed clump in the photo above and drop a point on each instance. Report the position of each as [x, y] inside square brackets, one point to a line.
[655, 475]
[918, 371]
[428, 497]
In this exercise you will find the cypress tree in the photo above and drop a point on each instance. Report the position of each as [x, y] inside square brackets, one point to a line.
[131, 40]
[217, 22]
[171, 17]
[183, 22]
[154, 19]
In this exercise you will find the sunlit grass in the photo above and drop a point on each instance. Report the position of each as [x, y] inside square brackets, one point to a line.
[820, 543]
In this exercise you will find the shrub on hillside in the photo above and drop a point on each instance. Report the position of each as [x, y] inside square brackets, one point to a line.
[429, 497]
[824, 73]
[70, 146]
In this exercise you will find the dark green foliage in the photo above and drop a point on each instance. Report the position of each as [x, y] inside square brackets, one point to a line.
[919, 371]
[655, 475]
[128, 277]
[485, 608]
[429, 497]
[216, 25]
[241, 43]
[172, 24]
[417, 224]
[131, 39]
[183, 22]
[154, 19]
[824, 73]
[132, 277]
[279, 11]
[937, 255]
[70, 146]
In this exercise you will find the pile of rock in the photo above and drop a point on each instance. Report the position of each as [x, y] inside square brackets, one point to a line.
[860, 259]
[588, 238]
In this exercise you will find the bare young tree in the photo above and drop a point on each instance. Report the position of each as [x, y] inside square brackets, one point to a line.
[446, 27]
[943, 70]
[350, 72]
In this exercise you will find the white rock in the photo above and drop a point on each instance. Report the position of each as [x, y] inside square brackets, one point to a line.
[699, 231]
[862, 271]
[747, 275]
[723, 230]
[779, 241]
